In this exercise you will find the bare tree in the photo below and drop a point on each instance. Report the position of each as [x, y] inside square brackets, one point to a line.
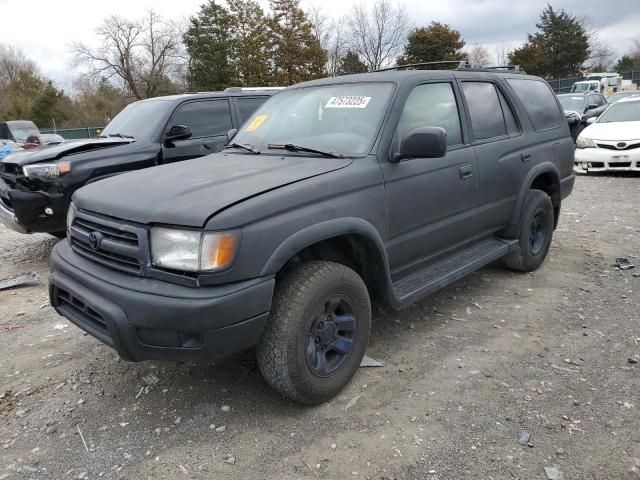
[12, 62]
[478, 56]
[600, 54]
[501, 52]
[145, 55]
[378, 32]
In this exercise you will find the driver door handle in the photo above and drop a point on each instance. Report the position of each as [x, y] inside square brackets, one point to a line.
[466, 172]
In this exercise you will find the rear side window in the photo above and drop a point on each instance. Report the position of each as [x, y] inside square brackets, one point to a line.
[208, 118]
[487, 119]
[539, 102]
[432, 105]
[248, 105]
[510, 119]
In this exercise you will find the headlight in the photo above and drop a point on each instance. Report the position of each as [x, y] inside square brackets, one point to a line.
[191, 250]
[585, 143]
[46, 170]
[71, 214]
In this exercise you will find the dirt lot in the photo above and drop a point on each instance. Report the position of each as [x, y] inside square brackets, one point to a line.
[468, 374]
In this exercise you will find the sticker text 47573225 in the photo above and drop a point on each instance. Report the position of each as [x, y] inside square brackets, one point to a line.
[351, 101]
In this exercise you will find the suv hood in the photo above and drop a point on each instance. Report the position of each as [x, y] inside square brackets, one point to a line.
[56, 152]
[188, 193]
[614, 131]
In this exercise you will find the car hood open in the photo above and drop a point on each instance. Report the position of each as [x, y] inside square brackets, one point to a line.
[190, 192]
[613, 132]
[57, 151]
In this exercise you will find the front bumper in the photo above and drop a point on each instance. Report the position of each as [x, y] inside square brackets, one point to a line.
[24, 212]
[605, 160]
[148, 319]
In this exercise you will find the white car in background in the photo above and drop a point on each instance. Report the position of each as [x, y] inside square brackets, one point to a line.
[611, 143]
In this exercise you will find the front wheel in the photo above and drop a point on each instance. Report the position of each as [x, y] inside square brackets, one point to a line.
[317, 333]
[536, 231]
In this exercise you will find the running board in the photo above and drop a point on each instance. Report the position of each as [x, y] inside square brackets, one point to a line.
[425, 282]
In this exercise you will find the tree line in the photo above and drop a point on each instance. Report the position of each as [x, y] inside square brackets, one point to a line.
[241, 44]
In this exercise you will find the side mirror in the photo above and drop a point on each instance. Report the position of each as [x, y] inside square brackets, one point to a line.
[231, 133]
[178, 132]
[592, 120]
[422, 142]
[591, 106]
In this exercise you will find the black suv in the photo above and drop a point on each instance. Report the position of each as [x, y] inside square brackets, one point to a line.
[389, 184]
[36, 185]
[580, 107]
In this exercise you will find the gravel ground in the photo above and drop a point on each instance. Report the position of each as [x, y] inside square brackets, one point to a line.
[468, 375]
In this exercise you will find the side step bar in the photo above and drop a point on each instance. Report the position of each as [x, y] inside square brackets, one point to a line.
[436, 276]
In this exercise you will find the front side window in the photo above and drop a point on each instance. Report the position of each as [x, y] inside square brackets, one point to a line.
[209, 118]
[485, 111]
[432, 105]
[540, 103]
[339, 118]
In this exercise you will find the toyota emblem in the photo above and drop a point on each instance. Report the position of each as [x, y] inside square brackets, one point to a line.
[94, 240]
[621, 145]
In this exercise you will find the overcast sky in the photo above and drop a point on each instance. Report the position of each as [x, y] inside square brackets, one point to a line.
[44, 29]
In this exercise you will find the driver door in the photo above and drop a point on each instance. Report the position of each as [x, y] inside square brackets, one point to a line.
[209, 122]
[430, 201]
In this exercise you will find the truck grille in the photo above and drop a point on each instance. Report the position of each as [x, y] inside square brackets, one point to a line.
[108, 242]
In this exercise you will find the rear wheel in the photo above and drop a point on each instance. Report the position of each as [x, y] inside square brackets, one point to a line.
[317, 332]
[536, 232]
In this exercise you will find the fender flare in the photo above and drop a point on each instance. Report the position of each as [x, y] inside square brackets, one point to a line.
[324, 231]
[544, 167]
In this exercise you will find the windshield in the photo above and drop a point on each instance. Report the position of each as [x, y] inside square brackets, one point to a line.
[617, 96]
[140, 120]
[22, 133]
[335, 118]
[583, 87]
[575, 104]
[621, 112]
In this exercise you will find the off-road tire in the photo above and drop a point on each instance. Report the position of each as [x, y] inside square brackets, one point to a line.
[537, 210]
[281, 351]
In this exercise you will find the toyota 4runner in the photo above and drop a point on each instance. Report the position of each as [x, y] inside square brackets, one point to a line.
[389, 184]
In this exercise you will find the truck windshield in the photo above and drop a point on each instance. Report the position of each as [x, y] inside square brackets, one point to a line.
[569, 103]
[621, 112]
[22, 133]
[343, 119]
[583, 87]
[140, 120]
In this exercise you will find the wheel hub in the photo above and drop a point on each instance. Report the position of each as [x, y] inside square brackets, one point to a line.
[331, 336]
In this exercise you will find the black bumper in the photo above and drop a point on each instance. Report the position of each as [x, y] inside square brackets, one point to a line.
[566, 185]
[147, 319]
[24, 212]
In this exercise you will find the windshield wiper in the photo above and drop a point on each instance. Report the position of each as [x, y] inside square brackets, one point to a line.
[247, 147]
[119, 135]
[299, 148]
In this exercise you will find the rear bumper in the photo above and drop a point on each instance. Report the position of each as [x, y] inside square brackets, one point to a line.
[24, 212]
[147, 319]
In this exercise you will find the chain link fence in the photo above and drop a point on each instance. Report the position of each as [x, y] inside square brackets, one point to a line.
[75, 133]
[563, 85]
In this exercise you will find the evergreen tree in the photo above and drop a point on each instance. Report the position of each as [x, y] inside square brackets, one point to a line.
[557, 49]
[296, 54]
[208, 43]
[249, 43]
[627, 64]
[350, 63]
[434, 43]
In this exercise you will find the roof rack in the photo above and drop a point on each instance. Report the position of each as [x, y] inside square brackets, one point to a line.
[251, 89]
[461, 65]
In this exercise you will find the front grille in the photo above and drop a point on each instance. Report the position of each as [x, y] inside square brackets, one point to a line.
[82, 314]
[107, 242]
[613, 147]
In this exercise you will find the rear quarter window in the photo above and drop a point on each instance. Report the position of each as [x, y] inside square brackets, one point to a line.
[540, 103]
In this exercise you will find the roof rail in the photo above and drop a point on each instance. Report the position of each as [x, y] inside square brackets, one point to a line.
[462, 64]
[515, 68]
[251, 89]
